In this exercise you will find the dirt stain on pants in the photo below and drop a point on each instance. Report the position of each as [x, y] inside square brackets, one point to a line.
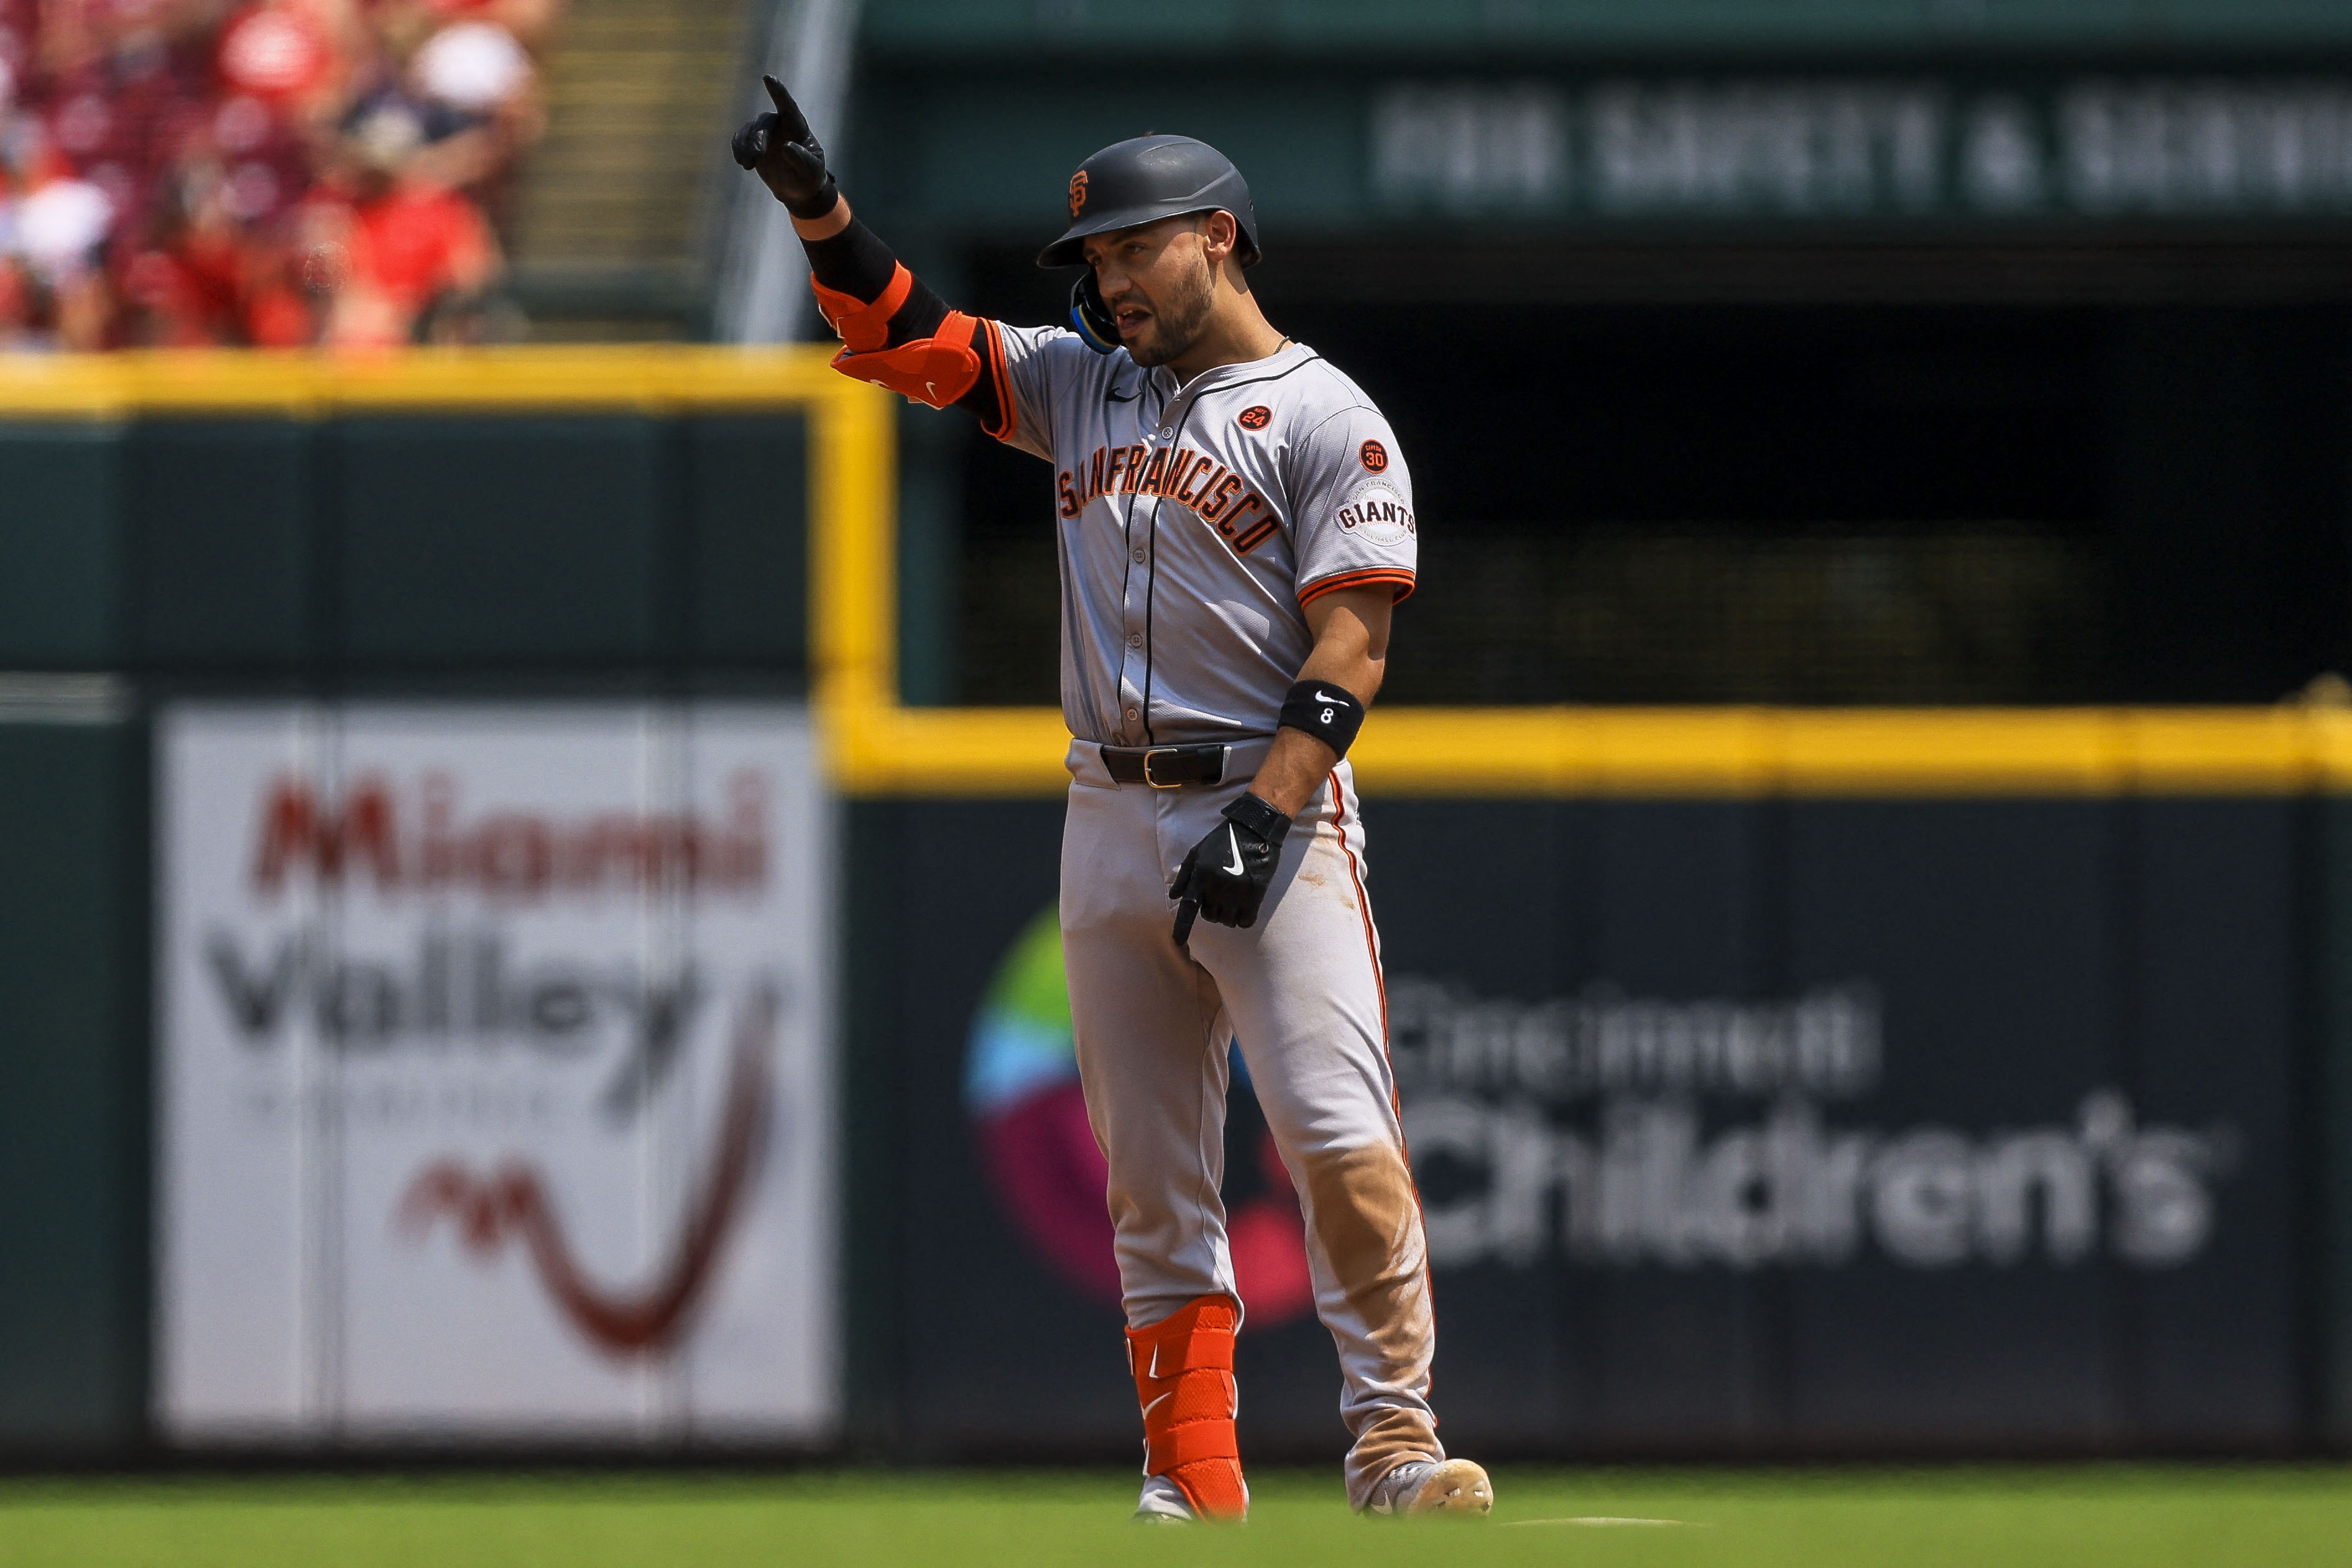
[1366, 1223]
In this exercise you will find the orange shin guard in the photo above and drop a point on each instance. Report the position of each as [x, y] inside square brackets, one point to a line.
[1184, 1380]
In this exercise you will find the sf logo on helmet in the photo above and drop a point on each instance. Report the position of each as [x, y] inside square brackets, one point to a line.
[1077, 193]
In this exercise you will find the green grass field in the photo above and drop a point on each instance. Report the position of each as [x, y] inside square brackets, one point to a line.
[2130, 1516]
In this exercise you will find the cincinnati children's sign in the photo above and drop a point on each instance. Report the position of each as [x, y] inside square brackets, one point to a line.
[1612, 1129]
[493, 1074]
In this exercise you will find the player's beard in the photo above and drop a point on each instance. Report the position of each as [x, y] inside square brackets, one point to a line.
[1177, 320]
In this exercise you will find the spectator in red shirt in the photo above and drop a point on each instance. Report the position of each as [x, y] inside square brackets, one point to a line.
[407, 249]
[275, 172]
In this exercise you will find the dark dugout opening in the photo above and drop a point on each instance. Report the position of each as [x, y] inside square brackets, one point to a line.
[2092, 490]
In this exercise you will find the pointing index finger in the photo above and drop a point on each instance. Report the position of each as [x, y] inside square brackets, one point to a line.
[795, 124]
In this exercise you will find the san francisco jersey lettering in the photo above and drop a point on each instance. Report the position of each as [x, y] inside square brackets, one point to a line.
[1198, 523]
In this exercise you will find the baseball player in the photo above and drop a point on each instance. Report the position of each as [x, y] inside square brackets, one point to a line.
[1235, 526]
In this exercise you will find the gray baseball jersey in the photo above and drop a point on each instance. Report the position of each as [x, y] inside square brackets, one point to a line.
[1197, 522]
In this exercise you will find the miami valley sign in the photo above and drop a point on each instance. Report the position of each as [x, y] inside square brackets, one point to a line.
[495, 1075]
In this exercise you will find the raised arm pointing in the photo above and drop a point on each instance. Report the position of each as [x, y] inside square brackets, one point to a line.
[895, 332]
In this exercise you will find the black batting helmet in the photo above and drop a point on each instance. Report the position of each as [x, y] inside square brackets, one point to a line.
[1145, 179]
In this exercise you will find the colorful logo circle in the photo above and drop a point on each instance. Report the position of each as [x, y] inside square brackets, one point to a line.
[1029, 1121]
[1375, 456]
[1256, 416]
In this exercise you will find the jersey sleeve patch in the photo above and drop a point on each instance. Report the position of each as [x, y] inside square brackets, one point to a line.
[1377, 514]
[1355, 518]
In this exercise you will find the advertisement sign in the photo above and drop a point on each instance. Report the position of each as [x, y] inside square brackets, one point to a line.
[1571, 1128]
[495, 1074]
[1826, 146]
[1030, 1128]
[1740, 1127]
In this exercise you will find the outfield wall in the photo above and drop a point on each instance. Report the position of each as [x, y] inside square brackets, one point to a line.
[544, 513]
[1780, 1082]
[73, 1046]
[1764, 1126]
[415, 914]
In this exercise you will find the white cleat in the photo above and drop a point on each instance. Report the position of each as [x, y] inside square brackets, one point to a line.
[1425, 1488]
[1162, 1502]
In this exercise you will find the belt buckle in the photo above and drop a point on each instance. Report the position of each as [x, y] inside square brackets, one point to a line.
[1157, 751]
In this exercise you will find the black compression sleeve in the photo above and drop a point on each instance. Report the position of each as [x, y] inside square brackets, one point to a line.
[858, 263]
[853, 262]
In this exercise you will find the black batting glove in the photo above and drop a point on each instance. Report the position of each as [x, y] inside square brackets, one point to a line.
[785, 153]
[1225, 877]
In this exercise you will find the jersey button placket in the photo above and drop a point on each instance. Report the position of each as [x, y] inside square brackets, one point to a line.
[1134, 665]
[1132, 676]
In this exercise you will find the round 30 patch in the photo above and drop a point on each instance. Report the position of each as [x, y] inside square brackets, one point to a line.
[1375, 456]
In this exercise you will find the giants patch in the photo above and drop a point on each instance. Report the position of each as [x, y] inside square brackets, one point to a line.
[1378, 514]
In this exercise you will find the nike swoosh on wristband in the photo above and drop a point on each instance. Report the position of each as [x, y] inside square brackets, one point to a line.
[1233, 842]
[1320, 697]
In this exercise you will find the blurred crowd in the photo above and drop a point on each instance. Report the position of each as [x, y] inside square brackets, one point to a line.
[274, 172]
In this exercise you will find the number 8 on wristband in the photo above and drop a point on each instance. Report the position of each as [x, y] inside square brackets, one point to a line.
[1330, 713]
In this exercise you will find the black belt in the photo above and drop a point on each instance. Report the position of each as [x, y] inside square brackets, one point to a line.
[1166, 767]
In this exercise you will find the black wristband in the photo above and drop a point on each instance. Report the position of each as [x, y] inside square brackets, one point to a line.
[1257, 816]
[1330, 713]
[809, 208]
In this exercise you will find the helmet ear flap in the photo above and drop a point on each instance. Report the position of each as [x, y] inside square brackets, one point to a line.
[1089, 317]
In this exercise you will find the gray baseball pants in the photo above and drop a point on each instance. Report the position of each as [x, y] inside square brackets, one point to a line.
[1302, 991]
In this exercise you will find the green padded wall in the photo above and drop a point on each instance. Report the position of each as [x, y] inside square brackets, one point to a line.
[73, 1086]
[517, 540]
[218, 512]
[61, 555]
[746, 482]
[603, 545]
